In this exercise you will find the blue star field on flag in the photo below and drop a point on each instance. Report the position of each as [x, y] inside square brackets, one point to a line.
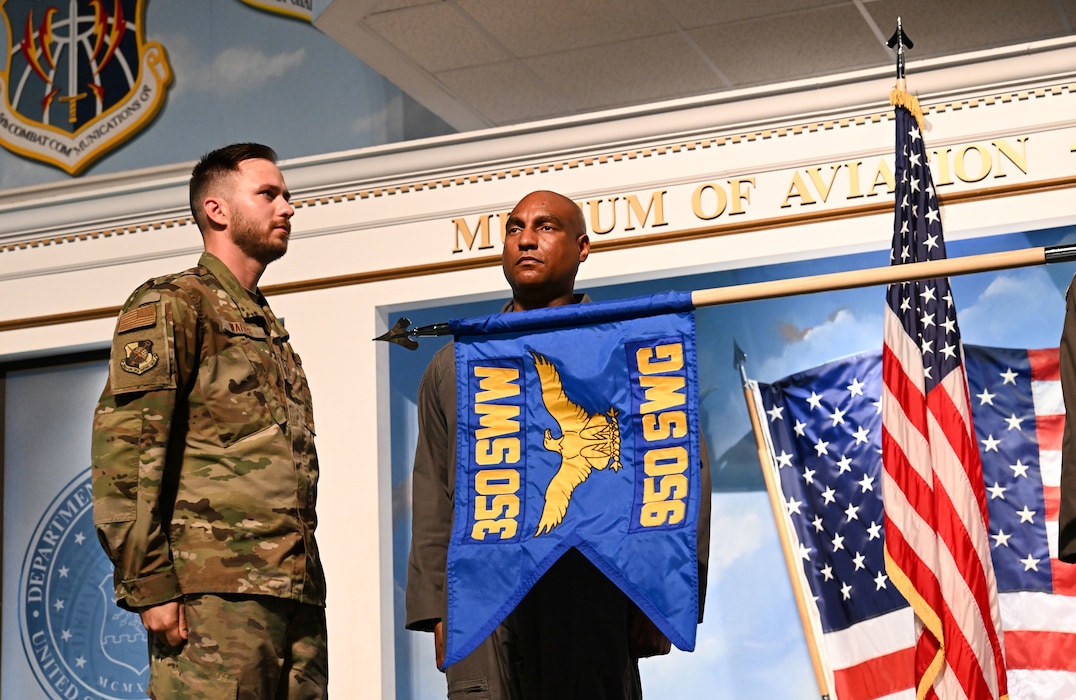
[924, 307]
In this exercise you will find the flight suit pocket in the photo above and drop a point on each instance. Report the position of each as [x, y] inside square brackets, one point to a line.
[469, 689]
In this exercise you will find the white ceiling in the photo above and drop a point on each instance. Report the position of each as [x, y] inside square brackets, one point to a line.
[487, 63]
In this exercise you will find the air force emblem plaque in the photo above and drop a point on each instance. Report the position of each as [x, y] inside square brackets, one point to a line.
[80, 79]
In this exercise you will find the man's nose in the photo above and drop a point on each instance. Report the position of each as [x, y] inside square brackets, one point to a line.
[528, 238]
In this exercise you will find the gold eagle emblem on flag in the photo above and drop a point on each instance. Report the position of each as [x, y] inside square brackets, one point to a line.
[587, 441]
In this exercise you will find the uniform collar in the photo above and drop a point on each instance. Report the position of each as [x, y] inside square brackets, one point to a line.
[248, 306]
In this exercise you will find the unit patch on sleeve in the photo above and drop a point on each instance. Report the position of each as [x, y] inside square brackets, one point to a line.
[139, 357]
[141, 350]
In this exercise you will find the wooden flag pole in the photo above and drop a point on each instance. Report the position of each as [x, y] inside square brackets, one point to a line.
[882, 275]
[791, 560]
[403, 334]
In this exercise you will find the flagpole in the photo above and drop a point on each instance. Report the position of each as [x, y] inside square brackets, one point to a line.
[402, 334]
[777, 507]
[882, 275]
[941, 564]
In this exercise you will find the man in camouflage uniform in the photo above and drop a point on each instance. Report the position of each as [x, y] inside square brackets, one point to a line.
[204, 469]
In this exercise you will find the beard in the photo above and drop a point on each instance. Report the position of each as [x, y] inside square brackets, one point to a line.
[256, 242]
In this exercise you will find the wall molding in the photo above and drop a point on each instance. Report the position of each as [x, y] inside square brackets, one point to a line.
[597, 246]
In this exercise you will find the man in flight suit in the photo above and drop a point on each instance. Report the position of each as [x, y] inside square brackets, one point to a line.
[575, 635]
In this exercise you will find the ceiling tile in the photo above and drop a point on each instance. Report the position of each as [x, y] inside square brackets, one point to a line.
[505, 93]
[495, 62]
[371, 7]
[626, 73]
[789, 47]
[436, 36]
[540, 27]
[702, 13]
[1069, 14]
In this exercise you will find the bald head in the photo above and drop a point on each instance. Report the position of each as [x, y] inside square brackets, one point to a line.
[545, 241]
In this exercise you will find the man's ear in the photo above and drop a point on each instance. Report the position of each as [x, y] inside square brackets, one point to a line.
[216, 211]
[584, 247]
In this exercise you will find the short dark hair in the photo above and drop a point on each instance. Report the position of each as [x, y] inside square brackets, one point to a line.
[217, 164]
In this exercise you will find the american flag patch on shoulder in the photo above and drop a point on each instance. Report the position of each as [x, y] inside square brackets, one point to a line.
[140, 317]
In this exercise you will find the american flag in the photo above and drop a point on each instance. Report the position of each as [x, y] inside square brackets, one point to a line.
[937, 546]
[823, 431]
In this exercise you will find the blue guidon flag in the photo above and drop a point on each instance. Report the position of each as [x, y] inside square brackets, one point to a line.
[578, 427]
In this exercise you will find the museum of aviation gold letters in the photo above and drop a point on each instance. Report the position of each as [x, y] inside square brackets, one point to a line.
[847, 181]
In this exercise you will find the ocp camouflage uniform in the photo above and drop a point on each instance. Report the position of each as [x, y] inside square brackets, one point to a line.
[204, 468]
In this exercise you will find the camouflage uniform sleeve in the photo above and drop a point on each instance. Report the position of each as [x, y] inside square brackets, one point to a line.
[132, 428]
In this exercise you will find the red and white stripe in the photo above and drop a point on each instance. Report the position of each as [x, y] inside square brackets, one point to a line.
[937, 546]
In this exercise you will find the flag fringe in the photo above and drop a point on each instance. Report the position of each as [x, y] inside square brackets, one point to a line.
[899, 97]
[927, 616]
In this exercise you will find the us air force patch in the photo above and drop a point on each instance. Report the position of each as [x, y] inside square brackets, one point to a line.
[78, 643]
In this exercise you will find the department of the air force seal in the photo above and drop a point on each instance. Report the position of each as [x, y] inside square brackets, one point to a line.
[78, 643]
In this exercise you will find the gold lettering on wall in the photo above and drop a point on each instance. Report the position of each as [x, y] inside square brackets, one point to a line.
[960, 163]
[975, 162]
[715, 201]
[823, 188]
[1017, 159]
[826, 185]
[853, 179]
[797, 188]
[710, 200]
[883, 177]
[740, 194]
[657, 204]
[481, 233]
[818, 186]
[595, 215]
[941, 169]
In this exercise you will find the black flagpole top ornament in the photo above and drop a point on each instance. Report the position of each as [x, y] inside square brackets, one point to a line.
[900, 41]
[738, 355]
[401, 333]
[739, 358]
